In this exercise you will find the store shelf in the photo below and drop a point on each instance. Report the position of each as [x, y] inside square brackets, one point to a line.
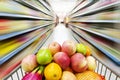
[97, 21]
[9, 35]
[36, 5]
[98, 9]
[23, 17]
[46, 4]
[16, 8]
[24, 26]
[117, 40]
[81, 5]
[77, 4]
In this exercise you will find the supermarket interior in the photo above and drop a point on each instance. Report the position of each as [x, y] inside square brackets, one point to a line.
[59, 39]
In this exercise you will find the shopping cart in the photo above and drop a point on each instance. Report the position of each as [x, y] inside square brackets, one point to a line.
[102, 69]
[18, 73]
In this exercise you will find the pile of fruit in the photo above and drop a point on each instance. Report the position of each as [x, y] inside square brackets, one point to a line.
[69, 61]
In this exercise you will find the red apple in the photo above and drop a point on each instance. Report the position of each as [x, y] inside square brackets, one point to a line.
[62, 59]
[78, 62]
[69, 47]
[54, 47]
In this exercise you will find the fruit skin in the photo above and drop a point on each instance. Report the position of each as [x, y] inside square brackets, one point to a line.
[78, 62]
[89, 75]
[69, 69]
[44, 56]
[52, 71]
[35, 74]
[69, 47]
[81, 48]
[91, 63]
[62, 59]
[54, 47]
[67, 75]
[88, 52]
[29, 63]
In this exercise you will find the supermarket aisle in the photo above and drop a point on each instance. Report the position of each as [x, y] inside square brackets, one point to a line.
[60, 34]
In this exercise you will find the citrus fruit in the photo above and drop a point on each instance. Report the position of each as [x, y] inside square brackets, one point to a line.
[53, 71]
[88, 53]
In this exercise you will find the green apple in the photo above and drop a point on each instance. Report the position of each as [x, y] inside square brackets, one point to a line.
[80, 48]
[44, 56]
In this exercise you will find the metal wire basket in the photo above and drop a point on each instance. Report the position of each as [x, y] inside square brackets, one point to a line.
[18, 73]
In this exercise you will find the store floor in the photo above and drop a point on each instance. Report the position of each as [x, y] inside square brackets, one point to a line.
[60, 34]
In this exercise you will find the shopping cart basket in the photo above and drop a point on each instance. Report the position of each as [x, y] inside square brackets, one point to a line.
[18, 73]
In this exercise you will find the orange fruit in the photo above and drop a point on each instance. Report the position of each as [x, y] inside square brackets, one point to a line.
[53, 71]
[89, 75]
[88, 52]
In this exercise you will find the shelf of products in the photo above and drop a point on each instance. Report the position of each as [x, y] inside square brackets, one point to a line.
[11, 28]
[37, 5]
[102, 17]
[97, 7]
[97, 23]
[81, 5]
[99, 20]
[24, 26]
[101, 32]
